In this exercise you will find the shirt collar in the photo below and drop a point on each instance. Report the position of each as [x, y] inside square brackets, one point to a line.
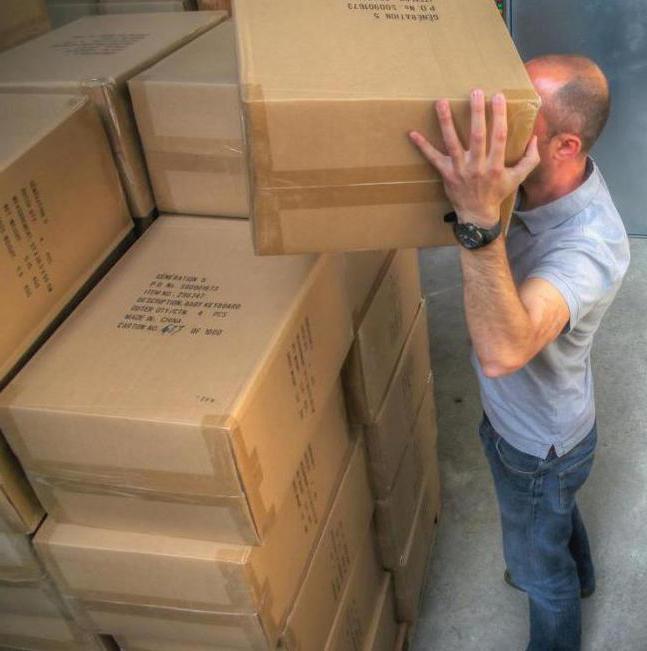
[557, 212]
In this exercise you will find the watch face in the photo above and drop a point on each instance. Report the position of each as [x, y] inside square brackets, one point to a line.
[470, 236]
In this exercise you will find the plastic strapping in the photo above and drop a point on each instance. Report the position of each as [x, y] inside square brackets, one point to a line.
[119, 122]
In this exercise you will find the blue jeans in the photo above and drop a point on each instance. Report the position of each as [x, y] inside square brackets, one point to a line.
[545, 545]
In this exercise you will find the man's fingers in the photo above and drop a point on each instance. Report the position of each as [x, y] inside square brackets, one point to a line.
[477, 128]
[435, 157]
[529, 161]
[499, 131]
[452, 142]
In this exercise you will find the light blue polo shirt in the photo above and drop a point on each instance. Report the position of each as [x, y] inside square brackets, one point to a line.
[577, 243]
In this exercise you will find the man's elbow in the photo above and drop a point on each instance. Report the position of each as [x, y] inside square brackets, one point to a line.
[502, 366]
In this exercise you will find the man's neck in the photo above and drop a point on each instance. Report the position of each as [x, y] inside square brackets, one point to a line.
[543, 189]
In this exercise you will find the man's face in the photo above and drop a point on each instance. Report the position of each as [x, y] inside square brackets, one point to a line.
[544, 84]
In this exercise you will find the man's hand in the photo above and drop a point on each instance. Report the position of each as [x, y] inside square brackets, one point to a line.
[475, 181]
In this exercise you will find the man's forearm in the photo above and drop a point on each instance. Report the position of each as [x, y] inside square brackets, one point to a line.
[498, 322]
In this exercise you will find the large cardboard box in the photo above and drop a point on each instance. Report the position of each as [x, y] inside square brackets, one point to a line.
[142, 628]
[95, 56]
[410, 575]
[142, 569]
[215, 5]
[327, 112]
[363, 271]
[384, 630]
[20, 510]
[380, 335]
[388, 436]
[62, 13]
[311, 618]
[17, 559]
[189, 118]
[351, 628]
[64, 213]
[21, 20]
[151, 627]
[32, 616]
[189, 383]
[395, 514]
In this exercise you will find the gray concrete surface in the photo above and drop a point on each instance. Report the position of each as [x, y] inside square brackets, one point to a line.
[466, 605]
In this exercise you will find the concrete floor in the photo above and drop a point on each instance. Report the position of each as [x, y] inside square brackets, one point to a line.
[466, 606]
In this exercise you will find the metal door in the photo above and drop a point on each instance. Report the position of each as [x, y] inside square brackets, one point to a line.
[614, 34]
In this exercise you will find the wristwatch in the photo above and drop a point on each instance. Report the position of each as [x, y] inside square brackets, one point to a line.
[470, 235]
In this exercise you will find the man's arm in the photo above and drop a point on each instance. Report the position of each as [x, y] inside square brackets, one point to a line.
[508, 326]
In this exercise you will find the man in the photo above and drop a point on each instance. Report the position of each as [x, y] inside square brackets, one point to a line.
[533, 302]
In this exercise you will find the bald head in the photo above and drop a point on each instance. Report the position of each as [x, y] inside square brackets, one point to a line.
[574, 93]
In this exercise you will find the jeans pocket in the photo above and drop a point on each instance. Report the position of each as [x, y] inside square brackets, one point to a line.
[515, 460]
[571, 480]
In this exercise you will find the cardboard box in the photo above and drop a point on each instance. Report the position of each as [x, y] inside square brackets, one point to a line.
[384, 630]
[32, 616]
[351, 628]
[95, 56]
[395, 514]
[18, 563]
[189, 118]
[215, 5]
[62, 13]
[60, 222]
[20, 510]
[141, 628]
[191, 379]
[21, 20]
[141, 569]
[326, 118]
[363, 271]
[410, 576]
[151, 627]
[311, 618]
[381, 334]
[388, 436]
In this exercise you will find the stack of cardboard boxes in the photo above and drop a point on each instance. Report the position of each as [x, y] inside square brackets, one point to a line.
[237, 451]
[95, 57]
[32, 614]
[57, 238]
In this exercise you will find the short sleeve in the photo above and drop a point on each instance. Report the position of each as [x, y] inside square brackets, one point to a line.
[583, 270]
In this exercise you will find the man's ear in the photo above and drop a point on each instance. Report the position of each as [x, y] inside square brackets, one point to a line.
[568, 146]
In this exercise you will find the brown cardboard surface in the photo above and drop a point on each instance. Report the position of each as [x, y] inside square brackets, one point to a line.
[410, 576]
[381, 335]
[33, 616]
[20, 510]
[21, 20]
[57, 232]
[383, 630]
[327, 120]
[363, 271]
[387, 437]
[140, 628]
[341, 543]
[142, 569]
[17, 559]
[395, 514]
[215, 5]
[96, 55]
[189, 118]
[127, 394]
[351, 628]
